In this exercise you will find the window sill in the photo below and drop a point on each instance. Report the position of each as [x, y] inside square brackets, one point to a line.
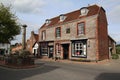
[80, 56]
[58, 37]
[81, 34]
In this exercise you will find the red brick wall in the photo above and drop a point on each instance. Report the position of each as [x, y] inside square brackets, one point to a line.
[31, 42]
[103, 49]
[17, 48]
[112, 44]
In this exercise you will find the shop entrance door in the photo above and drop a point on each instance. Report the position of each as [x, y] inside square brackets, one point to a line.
[51, 52]
[65, 51]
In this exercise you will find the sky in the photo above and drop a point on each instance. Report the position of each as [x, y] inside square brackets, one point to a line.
[33, 13]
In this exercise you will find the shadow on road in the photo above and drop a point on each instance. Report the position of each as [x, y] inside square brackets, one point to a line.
[10, 74]
[108, 76]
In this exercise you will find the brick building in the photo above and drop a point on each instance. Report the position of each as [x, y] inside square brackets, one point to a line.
[112, 46]
[17, 47]
[4, 48]
[79, 34]
[32, 43]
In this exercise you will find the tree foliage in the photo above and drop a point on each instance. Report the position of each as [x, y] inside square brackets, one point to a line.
[118, 49]
[9, 26]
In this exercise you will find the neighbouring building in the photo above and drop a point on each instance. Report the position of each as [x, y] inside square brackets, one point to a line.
[4, 48]
[32, 43]
[81, 34]
[16, 47]
[112, 46]
[35, 48]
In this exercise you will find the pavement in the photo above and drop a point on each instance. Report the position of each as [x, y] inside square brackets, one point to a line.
[65, 70]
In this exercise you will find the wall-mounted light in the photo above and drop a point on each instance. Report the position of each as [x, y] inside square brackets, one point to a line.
[88, 43]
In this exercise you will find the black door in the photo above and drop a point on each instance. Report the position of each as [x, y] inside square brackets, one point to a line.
[2, 51]
[65, 51]
[50, 51]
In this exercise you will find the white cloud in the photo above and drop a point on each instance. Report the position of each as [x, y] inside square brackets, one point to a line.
[114, 14]
[28, 6]
[108, 3]
[112, 8]
[25, 6]
[30, 27]
[116, 36]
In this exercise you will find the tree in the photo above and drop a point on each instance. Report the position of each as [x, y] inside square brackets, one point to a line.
[118, 48]
[9, 26]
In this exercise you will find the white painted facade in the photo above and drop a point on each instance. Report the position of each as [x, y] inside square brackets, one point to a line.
[35, 48]
[4, 48]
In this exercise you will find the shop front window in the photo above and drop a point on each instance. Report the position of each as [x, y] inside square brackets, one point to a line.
[79, 49]
[44, 49]
[58, 50]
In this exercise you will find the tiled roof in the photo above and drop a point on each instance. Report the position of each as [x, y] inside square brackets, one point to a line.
[36, 37]
[111, 38]
[93, 9]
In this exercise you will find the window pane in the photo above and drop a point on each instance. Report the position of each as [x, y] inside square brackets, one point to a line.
[81, 27]
[43, 35]
[80, 49]
[44, 50]
[68, 30]
[58, 32]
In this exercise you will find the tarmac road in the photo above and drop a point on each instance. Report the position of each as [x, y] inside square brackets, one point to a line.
[63, 71]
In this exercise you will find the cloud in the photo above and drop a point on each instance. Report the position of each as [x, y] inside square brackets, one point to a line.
[25, 6]
[28, 6]
[114, 14]
[112, 8]
[116, 36]
[108, 3]
[30, 27]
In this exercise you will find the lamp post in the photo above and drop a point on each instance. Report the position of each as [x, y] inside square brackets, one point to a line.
[24, 37]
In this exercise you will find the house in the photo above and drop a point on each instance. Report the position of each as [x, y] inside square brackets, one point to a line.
[32, 44]
[35, 48]
[81, 34]
[4, 48]
[112, 46]
[17, 47]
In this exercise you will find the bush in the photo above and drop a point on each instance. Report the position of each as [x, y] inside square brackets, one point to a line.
[118, 50]
[1, 58]
[115, 56]
[20, 58]
[24, 54]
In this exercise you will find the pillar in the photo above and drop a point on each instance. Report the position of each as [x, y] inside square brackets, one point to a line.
[24, 37]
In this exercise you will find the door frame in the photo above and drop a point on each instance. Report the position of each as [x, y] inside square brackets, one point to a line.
[65, 47]
[50, 55]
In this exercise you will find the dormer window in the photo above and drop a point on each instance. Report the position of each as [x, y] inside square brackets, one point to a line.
[62, 17]
[47, 21]
[84, 11]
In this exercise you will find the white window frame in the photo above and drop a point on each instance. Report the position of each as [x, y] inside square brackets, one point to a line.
[81, 28]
